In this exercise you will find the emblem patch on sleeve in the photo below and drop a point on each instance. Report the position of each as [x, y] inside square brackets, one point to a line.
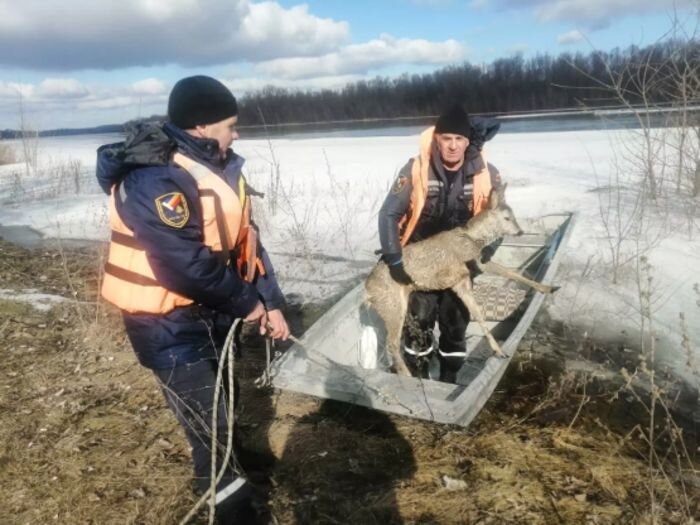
[172, 209]
[400, 184]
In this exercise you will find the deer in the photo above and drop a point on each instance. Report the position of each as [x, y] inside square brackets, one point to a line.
[440, 263]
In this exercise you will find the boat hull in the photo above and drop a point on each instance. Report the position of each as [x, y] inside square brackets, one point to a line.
[330, 362]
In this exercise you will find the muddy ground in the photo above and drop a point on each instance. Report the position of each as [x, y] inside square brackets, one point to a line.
[85, 436]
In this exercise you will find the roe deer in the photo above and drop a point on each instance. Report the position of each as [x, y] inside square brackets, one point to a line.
[439, 263]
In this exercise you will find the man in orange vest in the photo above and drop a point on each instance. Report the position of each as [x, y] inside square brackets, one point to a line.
[185, 261]
[441, 188]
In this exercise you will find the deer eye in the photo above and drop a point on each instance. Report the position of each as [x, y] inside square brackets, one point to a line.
[507, 218]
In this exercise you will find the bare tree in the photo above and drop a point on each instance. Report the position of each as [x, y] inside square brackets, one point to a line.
[29, 138]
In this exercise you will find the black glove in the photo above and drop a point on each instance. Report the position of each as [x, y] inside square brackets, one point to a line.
[487, 252]
[483, 129]
[396, 269]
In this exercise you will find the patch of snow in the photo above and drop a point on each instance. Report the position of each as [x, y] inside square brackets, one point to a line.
[38, 300]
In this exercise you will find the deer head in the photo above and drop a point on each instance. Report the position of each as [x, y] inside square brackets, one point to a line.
[501, 213]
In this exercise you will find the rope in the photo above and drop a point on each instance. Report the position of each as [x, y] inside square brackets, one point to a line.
[265, 379]
[227, 360]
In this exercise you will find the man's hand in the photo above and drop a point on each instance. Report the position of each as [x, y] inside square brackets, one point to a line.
[487, 252]
[398, 273]
[396, 269]
[258, 316]
[277, 325]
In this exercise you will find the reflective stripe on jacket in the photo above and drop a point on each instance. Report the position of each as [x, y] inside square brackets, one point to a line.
[129, 281]
[420, 173]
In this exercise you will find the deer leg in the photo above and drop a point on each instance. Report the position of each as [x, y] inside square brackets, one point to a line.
[463, 291]
[392, 309]
[495, 268]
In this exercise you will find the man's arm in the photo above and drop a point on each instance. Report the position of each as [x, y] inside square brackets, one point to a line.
[267, 285]
[394, 208]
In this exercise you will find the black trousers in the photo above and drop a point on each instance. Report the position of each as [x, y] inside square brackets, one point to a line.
[445, 308]
[189, 392]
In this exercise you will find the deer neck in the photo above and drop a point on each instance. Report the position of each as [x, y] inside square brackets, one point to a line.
[481, 230]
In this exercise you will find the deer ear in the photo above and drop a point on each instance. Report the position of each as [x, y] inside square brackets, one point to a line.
[502, 191]
[494, 198]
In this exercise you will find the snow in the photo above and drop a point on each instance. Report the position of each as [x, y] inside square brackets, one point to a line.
[38, 300]
[321, 229]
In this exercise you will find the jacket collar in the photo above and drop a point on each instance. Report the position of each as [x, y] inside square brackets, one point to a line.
[205, 151]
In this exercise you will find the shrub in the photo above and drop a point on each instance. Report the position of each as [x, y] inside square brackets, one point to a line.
[7, 154]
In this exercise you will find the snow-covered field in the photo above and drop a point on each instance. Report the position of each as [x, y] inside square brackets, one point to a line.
[320, 224]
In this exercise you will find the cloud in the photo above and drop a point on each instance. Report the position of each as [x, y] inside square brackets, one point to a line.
[12, 91]
[63, 35]
[362, 58]
[149, 86]
[594, 14]
[70, 96]
[242, 86]
[571, 37]
[60, 88]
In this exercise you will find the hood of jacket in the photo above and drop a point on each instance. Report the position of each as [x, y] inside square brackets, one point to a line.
[152, 144]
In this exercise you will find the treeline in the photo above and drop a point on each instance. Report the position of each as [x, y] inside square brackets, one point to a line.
[504, 86]
[567, 81]
[6, 134]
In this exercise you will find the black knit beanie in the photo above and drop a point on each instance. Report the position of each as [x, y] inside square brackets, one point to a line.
[454, 120]
[200, 100]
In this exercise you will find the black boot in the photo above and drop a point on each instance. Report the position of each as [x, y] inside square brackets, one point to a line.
[238, 503]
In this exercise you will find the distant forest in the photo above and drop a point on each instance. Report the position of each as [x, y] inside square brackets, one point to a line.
[504, 86]
[507, 85]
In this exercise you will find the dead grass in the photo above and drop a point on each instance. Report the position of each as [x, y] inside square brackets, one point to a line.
[85, 436]
[7, 154]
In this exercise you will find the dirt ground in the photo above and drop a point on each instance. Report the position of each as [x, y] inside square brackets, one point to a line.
[85, 436]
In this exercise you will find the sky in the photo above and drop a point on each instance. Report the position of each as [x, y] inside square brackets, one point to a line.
[69, 63]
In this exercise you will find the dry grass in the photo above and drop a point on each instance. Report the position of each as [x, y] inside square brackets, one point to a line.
[85, 436]
[7, 154]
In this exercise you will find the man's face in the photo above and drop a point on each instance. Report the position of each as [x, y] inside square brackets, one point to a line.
[452, 148]
[224, 132]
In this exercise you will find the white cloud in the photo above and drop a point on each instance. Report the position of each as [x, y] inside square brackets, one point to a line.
[108, 34]
[65, 96]
[594, 14]
[245, 85]
[149, 86]
[12, 91]
[109, 103]
[362, 58]
[571, 37]
[61, 88]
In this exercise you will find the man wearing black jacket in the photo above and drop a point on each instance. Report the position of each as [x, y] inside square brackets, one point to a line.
[441, 188]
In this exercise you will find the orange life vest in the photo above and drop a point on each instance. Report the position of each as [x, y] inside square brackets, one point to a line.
[420, 172]
[129, 281]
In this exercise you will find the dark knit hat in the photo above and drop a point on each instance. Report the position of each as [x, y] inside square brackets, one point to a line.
[454, 120]
[200, 100]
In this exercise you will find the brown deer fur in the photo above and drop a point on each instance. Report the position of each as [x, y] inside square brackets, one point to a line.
[439, 263]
